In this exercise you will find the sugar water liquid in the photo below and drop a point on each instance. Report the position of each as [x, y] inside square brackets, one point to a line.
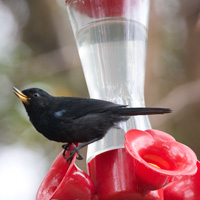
[113, 53]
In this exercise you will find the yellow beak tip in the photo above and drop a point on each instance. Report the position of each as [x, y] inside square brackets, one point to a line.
[21, 96]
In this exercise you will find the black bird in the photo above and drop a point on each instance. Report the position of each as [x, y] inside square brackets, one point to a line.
[71, 119]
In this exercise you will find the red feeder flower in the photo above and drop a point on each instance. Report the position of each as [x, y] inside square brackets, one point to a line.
[187, 188]
[158, 157]
[64, 181]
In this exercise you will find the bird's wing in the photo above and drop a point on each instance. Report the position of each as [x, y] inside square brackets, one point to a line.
[71, 108]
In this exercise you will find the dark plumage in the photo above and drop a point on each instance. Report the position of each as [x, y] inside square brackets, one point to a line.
[71, 119]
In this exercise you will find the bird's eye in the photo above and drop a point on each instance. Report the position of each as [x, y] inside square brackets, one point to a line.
[36, 95]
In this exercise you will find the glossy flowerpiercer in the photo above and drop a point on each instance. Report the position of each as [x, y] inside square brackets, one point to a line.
[71, 119]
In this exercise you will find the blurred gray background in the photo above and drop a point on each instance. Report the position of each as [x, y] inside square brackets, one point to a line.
[37, 49]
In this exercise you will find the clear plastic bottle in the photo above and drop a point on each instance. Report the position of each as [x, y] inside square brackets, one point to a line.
[112, 49]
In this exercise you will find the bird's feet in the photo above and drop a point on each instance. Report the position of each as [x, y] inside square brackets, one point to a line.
[65, 147]
[72, 153]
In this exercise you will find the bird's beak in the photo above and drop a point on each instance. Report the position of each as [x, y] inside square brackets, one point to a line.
[21, 96]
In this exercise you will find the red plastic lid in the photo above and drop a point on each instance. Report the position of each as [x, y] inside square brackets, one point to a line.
[101, 8]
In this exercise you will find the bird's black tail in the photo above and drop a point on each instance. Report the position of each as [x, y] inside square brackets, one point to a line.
[142, 111]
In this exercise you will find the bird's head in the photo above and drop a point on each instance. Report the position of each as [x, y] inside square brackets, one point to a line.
[33, 98]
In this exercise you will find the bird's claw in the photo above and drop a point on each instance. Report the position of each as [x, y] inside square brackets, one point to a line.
[69, 159]
[65, 147]
[72, 153]
[79, 157]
